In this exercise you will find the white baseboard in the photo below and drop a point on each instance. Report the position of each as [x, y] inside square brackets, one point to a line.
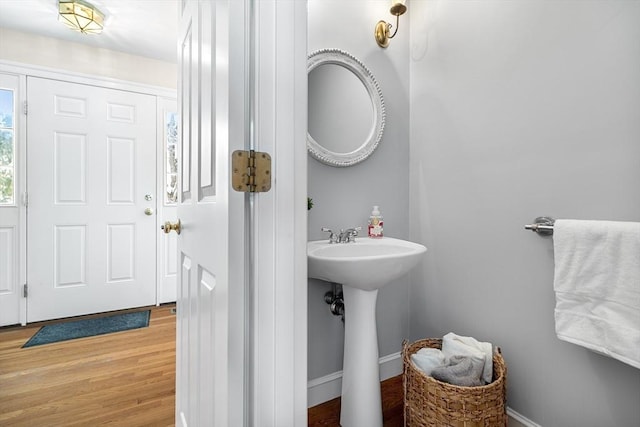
[329, 387]
[517, 420]
[323, 389]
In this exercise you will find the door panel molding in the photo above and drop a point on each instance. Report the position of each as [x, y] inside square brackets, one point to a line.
[70, 255]
[8, 271]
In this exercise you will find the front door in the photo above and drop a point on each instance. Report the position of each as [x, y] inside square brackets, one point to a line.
[211, 301]
[91, 226]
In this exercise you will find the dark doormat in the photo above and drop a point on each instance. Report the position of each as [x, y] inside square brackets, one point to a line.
[89, 327]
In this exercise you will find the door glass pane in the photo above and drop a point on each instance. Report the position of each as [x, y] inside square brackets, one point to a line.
[171, 164]
[7, 147]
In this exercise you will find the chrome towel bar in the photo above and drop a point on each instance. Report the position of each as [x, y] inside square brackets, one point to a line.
[542, 225]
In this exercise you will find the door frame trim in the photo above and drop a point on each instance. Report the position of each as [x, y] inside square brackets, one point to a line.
[82, 78]
[279, 323]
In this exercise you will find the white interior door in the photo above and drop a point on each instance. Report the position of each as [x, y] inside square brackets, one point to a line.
[211, 304]
[91, 175]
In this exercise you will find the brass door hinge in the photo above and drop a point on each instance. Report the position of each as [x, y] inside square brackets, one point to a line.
[250, 171]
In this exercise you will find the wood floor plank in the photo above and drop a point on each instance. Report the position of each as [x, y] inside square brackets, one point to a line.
[120, 379]
[327, 414]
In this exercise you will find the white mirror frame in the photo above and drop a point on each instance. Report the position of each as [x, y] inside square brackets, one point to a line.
[348, 61]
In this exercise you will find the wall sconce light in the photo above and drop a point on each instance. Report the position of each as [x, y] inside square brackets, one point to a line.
[383, 28]
[80, 16]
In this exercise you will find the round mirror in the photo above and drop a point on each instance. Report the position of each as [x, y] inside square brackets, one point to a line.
[346, 109]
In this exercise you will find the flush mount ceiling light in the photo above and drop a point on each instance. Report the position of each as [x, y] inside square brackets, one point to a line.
[80, 16]
[383, 28]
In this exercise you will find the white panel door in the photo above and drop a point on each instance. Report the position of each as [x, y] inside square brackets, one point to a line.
[211, 303]
[91, 173]
[9, 202]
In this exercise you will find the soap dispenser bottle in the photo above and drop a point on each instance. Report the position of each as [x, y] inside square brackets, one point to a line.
[375, 223]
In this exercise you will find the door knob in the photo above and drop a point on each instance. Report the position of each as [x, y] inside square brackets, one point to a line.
[148, 211]
[168, 226]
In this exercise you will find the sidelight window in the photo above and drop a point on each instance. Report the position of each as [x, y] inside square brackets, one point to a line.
[171, 165]
[7, 147]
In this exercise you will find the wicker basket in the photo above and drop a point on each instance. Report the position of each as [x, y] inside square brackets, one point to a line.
[429, 402]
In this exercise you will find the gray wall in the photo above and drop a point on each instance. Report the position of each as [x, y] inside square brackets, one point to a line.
[343, 197]
[521, 109]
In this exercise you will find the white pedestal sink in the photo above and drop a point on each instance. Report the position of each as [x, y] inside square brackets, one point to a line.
[362, 267]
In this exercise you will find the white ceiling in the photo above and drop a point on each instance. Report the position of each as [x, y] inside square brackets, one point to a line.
[140, 27]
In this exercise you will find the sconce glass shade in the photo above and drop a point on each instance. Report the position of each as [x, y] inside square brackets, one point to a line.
[80, 16]
[398, 7]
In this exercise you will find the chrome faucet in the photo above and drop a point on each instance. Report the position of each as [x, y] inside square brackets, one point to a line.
[345, 236]
[348, 235]
[333, 237]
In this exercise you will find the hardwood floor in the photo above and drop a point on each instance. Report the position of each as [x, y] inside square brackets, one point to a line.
[120, 379]
[328, 414]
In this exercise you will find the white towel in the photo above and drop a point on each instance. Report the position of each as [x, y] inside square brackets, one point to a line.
[464, 371]
[456, 345]
[597, 285]
[427, 359]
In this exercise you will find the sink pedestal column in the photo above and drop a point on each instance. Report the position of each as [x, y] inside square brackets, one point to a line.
[361, 403]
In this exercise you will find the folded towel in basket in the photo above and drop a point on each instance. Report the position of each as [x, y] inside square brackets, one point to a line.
[427, 359]
[456, 345]
[462, 371]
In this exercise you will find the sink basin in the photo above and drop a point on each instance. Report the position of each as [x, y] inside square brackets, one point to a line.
[362, 268]
[367, 264]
